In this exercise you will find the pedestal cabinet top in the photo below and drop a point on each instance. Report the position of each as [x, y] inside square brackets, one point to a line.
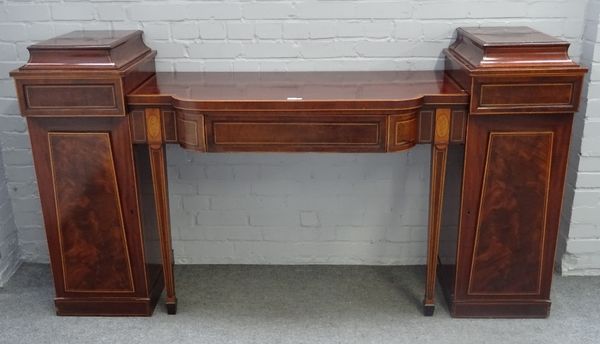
[510, 47]
[87, 50]
[509, 36]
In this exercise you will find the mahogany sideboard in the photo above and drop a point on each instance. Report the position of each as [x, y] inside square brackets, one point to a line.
[99, 117]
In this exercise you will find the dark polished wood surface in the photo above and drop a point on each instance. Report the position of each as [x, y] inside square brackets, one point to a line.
[503, 48]
[83, 40]
[87, 50]
[299, 89]
[525, 89]
[102, 261]
[91, 216]
[300, 111]
[509, 36]
[74, 157]
[99, 119]
[510, 211]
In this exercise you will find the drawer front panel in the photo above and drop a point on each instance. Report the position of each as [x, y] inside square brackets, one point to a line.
[525, 95]
[296, 133]
[402, 132]
[293, 133]
[190, 130]
[71, 97]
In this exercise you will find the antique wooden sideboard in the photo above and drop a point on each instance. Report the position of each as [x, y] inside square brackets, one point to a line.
[99, 117]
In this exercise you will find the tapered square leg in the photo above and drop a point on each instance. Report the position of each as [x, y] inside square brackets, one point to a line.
[439, 155]
[428, 310]
[159, 181]
[172, 307]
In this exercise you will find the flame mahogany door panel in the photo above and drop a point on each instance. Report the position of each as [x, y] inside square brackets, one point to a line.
[85, 170]
[512, 194]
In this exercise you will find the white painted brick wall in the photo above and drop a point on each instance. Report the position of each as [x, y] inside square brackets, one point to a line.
[276, 208]
[580, 231]
[299, 208]
[9, 245]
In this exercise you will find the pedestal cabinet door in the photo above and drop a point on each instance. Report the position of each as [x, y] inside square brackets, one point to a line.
[512, 194]
[87, 188]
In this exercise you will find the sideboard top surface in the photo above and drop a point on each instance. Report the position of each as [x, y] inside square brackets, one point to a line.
[299, 87]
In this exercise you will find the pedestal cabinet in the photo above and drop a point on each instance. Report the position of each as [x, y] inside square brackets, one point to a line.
[102, 245]
[524, 91]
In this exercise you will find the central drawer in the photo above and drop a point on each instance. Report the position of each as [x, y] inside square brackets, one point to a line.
[282, 132]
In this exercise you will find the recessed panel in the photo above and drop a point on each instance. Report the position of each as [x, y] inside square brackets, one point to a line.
[457, 128]
[70, 96]
[509, 238]
[94, 253]
[426, 126]
[169, 126]
[291, 133]
[402, 132]
[526, 94]
[138, 126]
[296, 133]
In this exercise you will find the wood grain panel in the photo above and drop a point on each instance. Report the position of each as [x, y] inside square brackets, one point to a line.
[508, 94]
[402, 132]
[512, 191]
[169, 126]
[91, 229]
[526, 94]
[458, 126]
[509, 240]
[137, 121]
[296, 133]
[56, 95]
[73, 96]
[426, 126]
[190, 131]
